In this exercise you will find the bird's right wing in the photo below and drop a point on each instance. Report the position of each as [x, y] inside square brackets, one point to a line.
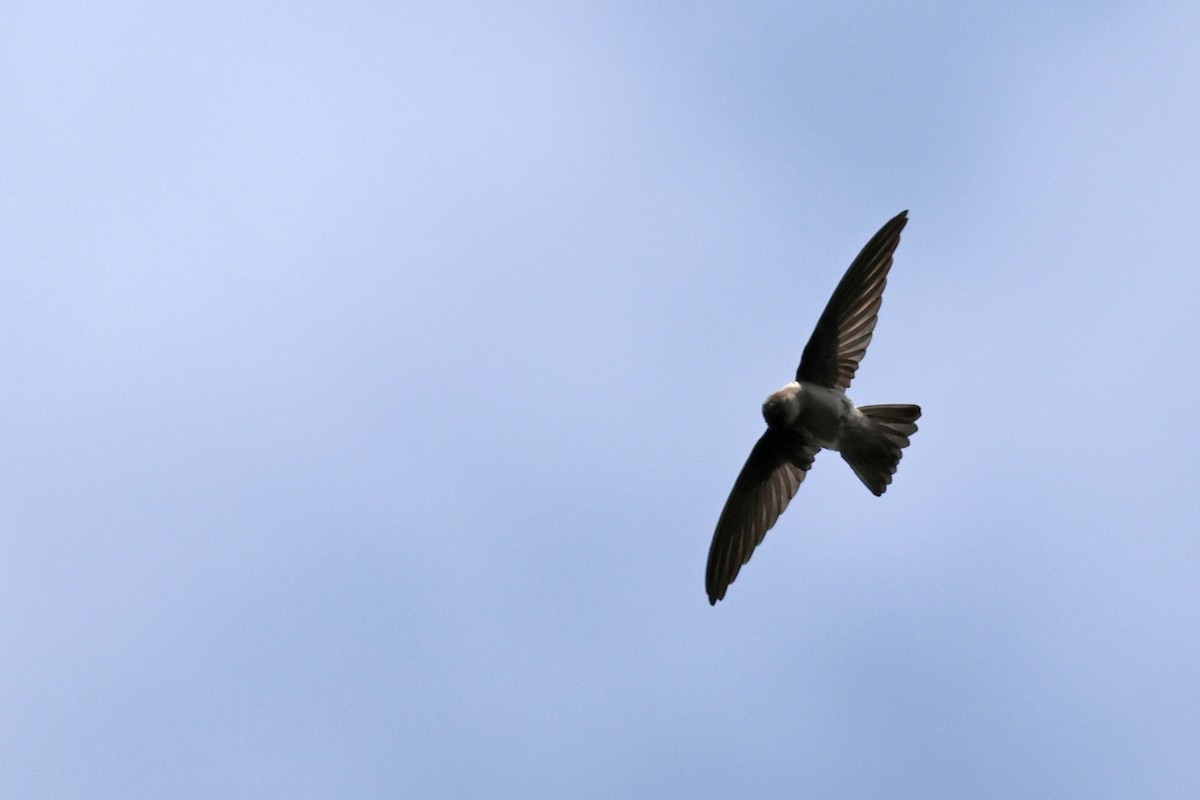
[768, 481]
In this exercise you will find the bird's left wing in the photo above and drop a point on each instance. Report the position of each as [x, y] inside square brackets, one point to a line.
[842, 334]
[768, 481]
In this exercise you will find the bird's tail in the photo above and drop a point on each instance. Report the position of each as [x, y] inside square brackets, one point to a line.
[874, 451]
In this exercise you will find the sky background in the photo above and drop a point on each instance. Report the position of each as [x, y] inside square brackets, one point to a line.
[374, 375]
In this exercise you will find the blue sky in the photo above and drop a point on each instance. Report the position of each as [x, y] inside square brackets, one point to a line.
[374, 375]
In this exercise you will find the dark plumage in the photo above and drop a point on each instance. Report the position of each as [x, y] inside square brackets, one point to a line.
[813, 412]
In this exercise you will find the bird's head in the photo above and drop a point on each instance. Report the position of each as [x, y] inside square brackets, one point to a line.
[782, 407]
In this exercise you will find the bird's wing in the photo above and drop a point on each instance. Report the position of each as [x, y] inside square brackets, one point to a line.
[777, 465]
[842, 334]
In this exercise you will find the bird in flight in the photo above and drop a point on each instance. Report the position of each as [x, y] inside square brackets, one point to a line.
[813, 412]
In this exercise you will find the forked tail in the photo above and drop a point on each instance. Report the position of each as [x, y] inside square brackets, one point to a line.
[873, 452]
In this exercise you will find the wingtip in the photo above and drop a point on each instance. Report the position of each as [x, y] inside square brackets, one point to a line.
[714, 590]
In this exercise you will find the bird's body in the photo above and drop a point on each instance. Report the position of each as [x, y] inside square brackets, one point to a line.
[822, 415]
[813, 413]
